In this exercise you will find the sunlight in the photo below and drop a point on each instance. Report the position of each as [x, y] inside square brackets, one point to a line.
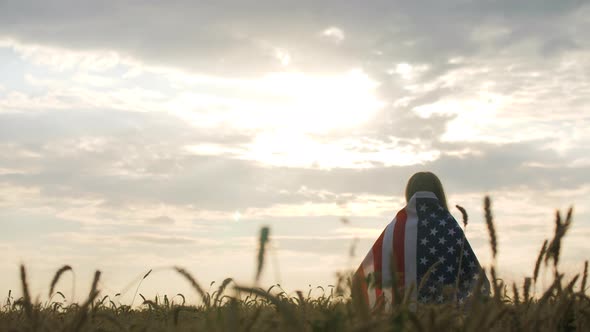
[237, 216]
[320, 103]
[290, 112]
[284, 100]
[293, 149]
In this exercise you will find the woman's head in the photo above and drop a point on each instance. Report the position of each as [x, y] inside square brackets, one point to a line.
[426, 181]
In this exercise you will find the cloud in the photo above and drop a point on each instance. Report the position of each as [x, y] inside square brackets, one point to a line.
[159, 239]
[161, 220]
[334, 34]
[332, 246]
[116, 163]
[127, 119]
[234, 37]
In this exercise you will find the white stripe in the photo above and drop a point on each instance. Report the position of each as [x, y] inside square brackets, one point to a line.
[386, 257]
[368, 268]
[410, 247]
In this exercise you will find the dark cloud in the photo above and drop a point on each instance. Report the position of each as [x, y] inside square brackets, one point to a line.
[235, 36]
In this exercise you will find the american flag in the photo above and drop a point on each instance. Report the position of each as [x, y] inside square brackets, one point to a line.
[421, 234]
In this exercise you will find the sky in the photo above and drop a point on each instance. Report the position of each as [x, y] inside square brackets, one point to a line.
[138, 135]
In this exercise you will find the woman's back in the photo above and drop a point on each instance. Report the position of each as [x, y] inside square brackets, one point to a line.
[423, 248]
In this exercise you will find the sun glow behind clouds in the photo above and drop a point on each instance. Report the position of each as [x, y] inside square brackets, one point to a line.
[320, 103]
[286, 100]
[290, 112]
[289, 115]
[288, 148]
[300, 101]
[300, 150]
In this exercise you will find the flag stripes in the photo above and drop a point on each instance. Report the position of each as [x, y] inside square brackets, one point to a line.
[412, 233]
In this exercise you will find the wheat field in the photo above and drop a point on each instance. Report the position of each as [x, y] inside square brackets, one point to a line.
[563, 306]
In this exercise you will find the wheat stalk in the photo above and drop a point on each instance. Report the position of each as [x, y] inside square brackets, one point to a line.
[539, 259]
[526, 288]
[221, 289]
[490, 224]
[138, 285]
[561, 229]
[584, 278]
[463, 214]
[515, 294]
[194, 283]
[262, 241]
[56, 277]
[82, 315]
[26, 295]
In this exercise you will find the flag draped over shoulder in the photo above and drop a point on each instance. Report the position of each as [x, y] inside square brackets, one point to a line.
[421, 234]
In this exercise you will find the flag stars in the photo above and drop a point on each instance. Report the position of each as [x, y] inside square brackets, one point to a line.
[423, 261]
[468, 285]
[441, 240]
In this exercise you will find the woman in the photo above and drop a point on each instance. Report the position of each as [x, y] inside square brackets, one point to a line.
[423, 251]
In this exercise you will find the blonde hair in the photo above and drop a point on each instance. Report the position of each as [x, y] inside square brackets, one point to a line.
[426, 181]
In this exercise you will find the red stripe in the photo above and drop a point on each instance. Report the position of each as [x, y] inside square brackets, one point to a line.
[399, 236]
[377, 262]
[362, 284]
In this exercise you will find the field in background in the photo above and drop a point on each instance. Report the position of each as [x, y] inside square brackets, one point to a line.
[563, 306]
